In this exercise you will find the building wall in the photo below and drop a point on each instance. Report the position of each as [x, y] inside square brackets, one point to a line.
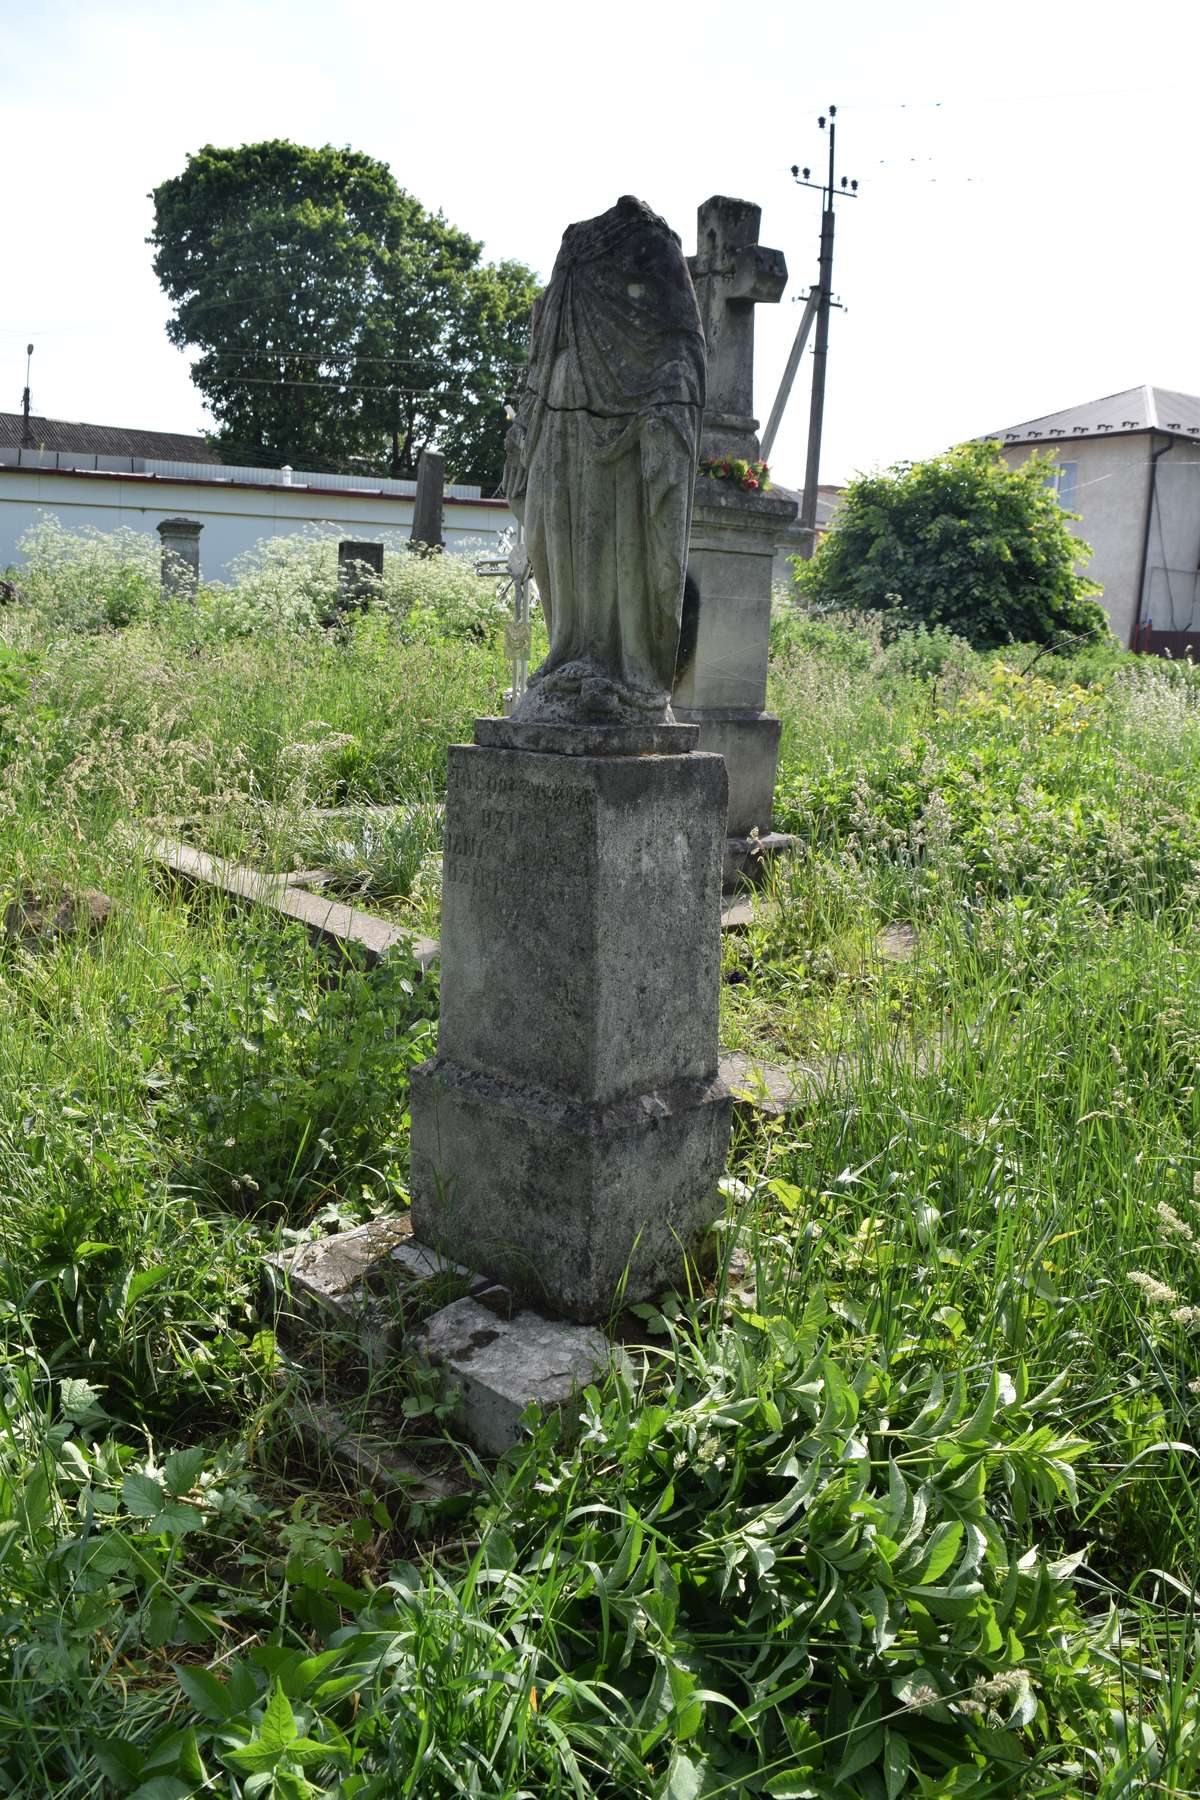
[1107, 480]
[235, 517]
[1172, 602]
[1104, 479]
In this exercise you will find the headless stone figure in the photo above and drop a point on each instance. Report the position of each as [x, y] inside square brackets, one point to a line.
[600, 467]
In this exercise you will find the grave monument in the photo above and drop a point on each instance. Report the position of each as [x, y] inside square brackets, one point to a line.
[723, 688]
[568, 1138]
[428, 502]
[180, 540]
[359, 573]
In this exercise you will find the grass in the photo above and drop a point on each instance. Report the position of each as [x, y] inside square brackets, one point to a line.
[903, 1502]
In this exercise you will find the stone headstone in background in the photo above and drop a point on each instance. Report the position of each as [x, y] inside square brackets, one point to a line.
[723, 688]
[180, 557]
[427, 506]
[572, 1129]
[360, 571]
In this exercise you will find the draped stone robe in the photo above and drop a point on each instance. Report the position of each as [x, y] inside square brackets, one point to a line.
[601, 464]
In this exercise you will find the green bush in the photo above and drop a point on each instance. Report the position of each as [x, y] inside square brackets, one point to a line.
[963, 543]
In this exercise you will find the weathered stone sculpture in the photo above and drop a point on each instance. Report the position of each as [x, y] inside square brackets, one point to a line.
[600, 467]
[569, 1135]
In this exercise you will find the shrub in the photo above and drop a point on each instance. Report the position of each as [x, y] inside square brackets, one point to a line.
[290, 583]
[960, 542]
[88, 580]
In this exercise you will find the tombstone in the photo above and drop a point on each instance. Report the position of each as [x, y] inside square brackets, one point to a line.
[723, 689]
[569, 1136]
[180, 557]
[360, 572]
[427, 507]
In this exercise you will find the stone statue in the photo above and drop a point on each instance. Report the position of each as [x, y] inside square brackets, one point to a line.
[600, 467]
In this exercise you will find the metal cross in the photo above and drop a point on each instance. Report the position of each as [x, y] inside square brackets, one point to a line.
[515, 572]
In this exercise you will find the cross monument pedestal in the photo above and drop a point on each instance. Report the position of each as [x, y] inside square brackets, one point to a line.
[723, 688]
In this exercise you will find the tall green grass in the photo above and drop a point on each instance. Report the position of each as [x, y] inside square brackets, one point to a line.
[902, 1501]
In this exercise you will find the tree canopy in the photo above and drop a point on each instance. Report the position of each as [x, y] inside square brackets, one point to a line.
[339, 324]
[961, 541]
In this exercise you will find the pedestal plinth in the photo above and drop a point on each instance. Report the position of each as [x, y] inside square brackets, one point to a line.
[573, 1125]
[723, 689]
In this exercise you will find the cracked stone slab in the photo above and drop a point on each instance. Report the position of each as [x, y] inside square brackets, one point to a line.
[497, 1366]
[779, 1089]
[354, 1279]
[737, 915]
[329, 921]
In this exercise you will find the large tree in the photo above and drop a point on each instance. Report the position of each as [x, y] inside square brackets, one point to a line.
[961, 541]
[339, 324]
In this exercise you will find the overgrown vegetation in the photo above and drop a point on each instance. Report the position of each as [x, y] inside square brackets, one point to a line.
[902, 1502]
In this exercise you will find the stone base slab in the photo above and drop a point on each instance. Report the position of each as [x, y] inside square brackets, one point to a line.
[356, 1282]
[497, 1367]
[749, 858]
[549, 739]
[575, 1206]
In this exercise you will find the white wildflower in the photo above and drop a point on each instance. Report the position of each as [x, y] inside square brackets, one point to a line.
[922, 1696]
[1172, 1222]
[1186, 1315]
[1157, 1292]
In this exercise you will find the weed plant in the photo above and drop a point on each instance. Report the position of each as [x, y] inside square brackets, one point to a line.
[902, 1502]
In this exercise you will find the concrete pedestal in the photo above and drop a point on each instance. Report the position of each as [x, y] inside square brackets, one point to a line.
[573, 1125]
[723, 689]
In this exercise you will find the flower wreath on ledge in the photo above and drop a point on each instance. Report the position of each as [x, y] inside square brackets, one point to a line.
[752, 477]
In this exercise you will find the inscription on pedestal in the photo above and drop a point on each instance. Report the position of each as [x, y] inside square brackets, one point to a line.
[572, 885]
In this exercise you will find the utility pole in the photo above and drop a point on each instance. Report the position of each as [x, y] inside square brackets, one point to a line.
[26, 429]
[816, 413]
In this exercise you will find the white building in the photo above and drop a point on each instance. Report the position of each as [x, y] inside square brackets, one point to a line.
[104, 477]
[1130, 466]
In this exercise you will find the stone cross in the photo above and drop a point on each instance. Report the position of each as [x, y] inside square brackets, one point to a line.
[732, 273]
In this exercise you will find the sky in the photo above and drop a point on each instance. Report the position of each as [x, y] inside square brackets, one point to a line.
[1024, 238]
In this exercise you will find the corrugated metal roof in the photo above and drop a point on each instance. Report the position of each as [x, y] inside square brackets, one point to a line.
[1133, 409]
[104, 440]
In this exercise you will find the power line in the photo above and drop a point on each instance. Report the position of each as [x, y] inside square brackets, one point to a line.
[354, 387]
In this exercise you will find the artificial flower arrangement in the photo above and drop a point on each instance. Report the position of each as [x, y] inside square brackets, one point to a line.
[752, 477]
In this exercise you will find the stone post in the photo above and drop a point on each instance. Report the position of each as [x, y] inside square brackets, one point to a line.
[180, 557]
[427, 507]
[360, 570]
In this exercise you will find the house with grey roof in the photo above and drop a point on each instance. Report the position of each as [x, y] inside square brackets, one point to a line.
[1129, 465]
